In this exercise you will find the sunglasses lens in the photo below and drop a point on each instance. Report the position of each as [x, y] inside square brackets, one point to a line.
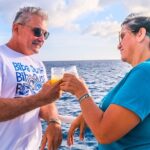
[46, 34]
[38, 32]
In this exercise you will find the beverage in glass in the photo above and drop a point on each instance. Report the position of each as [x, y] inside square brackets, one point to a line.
[56, 74]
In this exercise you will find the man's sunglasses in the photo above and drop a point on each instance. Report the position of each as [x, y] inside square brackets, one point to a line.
[38, 32]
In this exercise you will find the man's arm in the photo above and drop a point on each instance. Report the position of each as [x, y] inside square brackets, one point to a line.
[13, 107]
[48, 112]
[53, 134]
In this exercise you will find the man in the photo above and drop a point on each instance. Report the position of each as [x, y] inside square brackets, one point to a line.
[23, 100]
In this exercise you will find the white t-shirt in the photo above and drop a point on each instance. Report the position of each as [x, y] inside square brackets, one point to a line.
[20, 75]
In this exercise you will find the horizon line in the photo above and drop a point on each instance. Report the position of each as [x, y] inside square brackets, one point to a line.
[83, 60]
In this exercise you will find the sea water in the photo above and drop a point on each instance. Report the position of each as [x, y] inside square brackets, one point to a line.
[100, 76]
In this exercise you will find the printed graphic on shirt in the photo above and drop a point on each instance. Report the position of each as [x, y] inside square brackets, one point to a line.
[29, 79]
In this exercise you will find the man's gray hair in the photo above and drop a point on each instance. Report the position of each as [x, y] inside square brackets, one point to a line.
[24, 14]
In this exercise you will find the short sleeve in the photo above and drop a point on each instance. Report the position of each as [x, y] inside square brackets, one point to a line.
[134, 94]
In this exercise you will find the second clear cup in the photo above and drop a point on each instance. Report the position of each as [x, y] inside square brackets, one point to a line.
[72, 70]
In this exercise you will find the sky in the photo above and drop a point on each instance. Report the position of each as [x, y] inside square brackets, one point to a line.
[79, 29]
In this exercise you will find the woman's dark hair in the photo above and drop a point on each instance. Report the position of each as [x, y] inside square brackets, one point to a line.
[135, 21]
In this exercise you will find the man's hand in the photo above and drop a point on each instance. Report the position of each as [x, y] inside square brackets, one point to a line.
[77, 123]
[49, 92]
[52, 136]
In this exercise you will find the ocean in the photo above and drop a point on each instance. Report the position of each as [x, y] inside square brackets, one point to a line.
[100, 76]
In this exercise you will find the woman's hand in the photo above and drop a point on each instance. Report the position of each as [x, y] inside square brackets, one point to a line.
[74, 85]
[77, 123]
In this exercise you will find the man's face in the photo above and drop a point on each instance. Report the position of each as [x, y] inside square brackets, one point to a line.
[31, 35]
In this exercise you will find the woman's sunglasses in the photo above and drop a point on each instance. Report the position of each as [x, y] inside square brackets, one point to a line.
[38, 32]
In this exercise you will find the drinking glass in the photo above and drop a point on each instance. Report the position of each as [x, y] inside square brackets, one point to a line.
[72, 70]
[56, 74]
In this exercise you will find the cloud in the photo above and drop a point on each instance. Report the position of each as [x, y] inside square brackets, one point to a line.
[9, 8]
[138, 6]
[63, 14]
[103, 28]
[66, 14]
[110, 27]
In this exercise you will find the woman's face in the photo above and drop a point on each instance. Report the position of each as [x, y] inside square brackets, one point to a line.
[127, 42]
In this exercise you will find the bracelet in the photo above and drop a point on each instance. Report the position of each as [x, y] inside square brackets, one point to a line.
[84, 97]
[54, 121]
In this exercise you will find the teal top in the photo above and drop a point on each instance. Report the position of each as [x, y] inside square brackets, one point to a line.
[133, 93]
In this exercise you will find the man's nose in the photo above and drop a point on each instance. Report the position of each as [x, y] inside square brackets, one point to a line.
[41, 38]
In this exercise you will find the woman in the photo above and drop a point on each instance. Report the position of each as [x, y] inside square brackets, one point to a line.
[122, 120]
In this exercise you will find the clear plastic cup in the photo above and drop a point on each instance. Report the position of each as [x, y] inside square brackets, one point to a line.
[72, 70]
[56, 74]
